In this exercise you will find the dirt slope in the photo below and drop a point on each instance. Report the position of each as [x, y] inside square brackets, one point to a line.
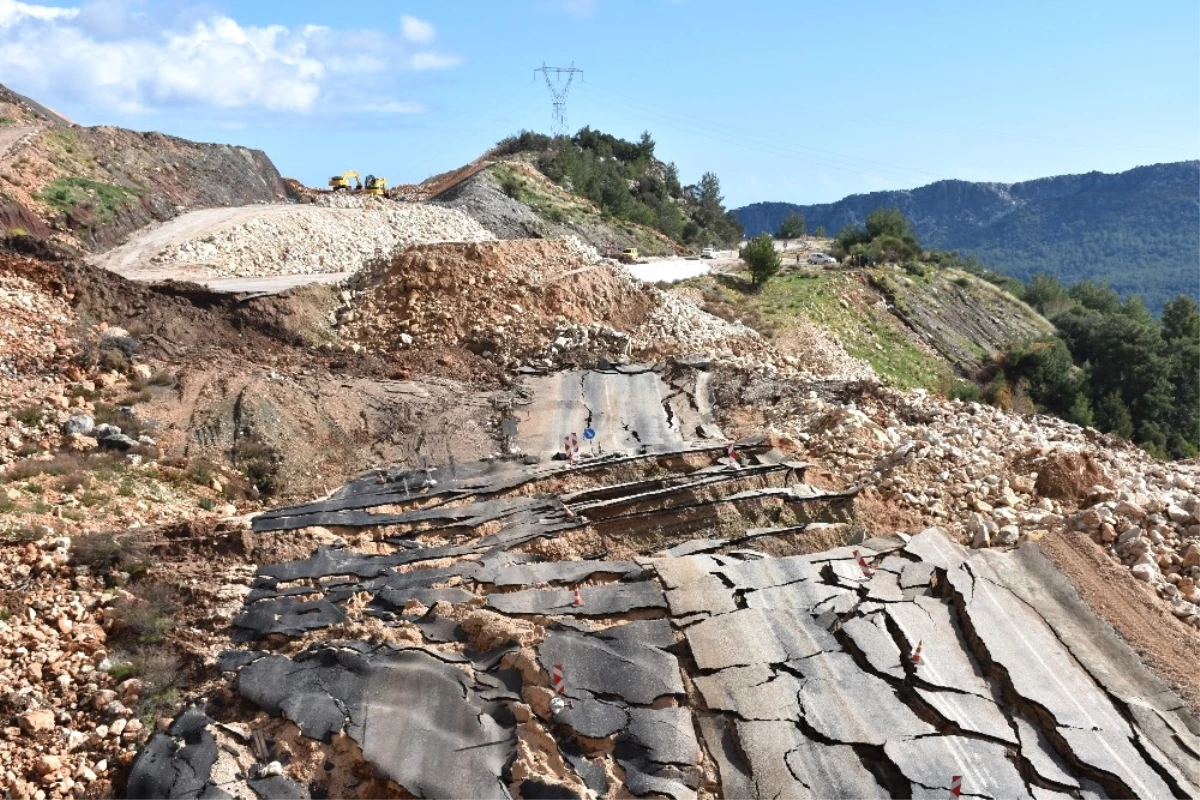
[92, 186]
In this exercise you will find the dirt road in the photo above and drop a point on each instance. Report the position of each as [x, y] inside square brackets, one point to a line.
[10, 135]
[134, 259]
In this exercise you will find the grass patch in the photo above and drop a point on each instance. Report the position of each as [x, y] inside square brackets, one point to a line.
[31, 415]
[827, 299]
[101, 199]
[69, 466]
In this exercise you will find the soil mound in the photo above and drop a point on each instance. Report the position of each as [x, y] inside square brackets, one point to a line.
[551, 302]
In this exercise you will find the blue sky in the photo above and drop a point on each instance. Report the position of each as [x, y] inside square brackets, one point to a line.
[798, 101]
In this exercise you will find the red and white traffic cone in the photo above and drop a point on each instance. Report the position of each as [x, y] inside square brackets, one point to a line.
[731, 453]
[567, 449]
[917, 658]
[578, 598]
[863, 565]
[956, 785]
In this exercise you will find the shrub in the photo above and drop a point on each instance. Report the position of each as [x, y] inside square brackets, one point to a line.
[762, 259]
[61, 464]
[162, 377]
[31, 415]
[146, 618]
[259, 462]
[104, 552]
[113, 359]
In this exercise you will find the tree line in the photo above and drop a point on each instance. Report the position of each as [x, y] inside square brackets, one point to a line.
[627, 182]
[1113, 366]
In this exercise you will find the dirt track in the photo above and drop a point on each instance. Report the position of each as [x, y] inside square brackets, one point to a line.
[133, 259]
[10, 135]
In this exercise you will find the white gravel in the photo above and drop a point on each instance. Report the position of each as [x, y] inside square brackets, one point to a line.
[312, 239]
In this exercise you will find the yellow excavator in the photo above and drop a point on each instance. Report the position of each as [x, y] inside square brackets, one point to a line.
[342, 182]
[375, 186]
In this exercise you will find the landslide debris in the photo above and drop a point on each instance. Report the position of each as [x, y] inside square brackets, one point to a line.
[541, 302]
[335, 234]
[695, 668]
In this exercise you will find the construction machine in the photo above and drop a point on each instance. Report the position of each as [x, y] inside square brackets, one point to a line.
[342, 182]
[375, 186]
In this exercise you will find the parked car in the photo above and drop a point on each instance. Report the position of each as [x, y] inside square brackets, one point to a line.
[708, 252]
[821, 258]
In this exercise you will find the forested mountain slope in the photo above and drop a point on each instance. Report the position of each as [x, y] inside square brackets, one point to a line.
[1136, 230]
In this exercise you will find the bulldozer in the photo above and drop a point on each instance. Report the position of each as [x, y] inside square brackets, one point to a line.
[342, 182]
[375, 186]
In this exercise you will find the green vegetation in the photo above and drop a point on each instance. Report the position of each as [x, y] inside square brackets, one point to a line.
[627, 182]
[886, 238]
[761, 258]
[7, 121]
[1113, 366]
[1134, 231]
[101, 199]
[792, 227]
[834, 302]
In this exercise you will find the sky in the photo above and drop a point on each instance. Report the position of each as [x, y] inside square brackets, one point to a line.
[797, 101]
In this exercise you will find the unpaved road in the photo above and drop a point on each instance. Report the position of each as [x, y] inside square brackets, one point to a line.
[10, 135]
[133, 259]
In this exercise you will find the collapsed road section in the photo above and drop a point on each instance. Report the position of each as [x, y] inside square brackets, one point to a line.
[676, 623]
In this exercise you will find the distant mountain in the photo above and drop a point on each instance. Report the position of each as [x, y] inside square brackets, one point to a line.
[1138, 230]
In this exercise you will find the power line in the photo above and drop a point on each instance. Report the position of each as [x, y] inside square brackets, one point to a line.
[558, 92]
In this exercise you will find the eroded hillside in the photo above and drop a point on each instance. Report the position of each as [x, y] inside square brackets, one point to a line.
[90, 187]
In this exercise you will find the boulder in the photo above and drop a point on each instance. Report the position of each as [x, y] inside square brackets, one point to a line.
[39, 720]
[1144, 572]
[80, 424]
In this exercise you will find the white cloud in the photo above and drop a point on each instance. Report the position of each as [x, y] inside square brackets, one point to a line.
[423, 61]
[393, 107]
[205, 59]
[416, 30]
[11, 12]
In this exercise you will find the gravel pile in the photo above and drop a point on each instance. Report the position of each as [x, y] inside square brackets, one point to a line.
[998, 479]
[309, 239]
[481, 197]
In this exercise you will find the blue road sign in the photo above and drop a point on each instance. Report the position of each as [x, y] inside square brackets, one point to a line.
[588, 433]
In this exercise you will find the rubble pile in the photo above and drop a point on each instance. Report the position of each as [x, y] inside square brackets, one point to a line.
[997, 479]
[74, 721]
[338, 235]
[547, 303]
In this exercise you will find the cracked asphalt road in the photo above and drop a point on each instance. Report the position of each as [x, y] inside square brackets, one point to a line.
[692, 664]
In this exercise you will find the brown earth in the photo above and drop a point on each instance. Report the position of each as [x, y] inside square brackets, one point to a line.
[152, 177]
[1167, 645]
[503, 297]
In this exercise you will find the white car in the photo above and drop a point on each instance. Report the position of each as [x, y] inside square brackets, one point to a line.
[708, 252]
[821, 258]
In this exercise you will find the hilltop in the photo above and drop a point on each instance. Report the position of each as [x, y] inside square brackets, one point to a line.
[1134, 230]
[597, 186]
[87, 188]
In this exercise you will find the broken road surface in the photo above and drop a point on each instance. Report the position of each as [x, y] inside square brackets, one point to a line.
[507, 636]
